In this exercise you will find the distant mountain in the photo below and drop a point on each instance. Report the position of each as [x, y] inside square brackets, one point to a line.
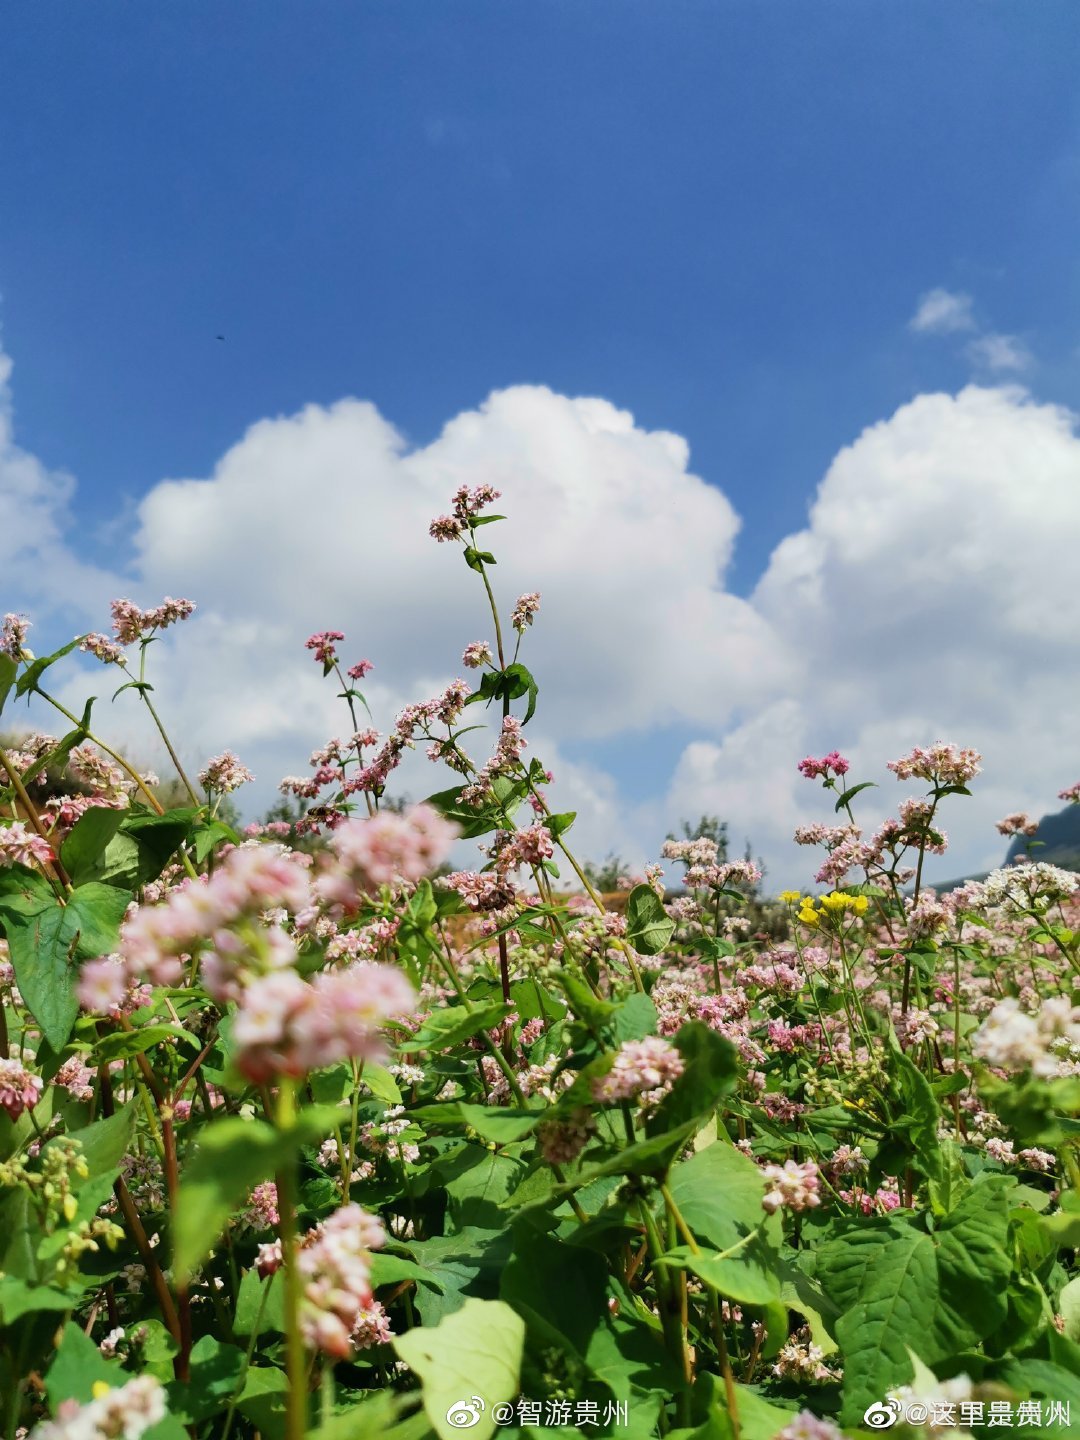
[1060, 836]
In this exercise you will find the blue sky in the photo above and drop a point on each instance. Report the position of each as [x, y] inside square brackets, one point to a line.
[720, 217]
[714, 214]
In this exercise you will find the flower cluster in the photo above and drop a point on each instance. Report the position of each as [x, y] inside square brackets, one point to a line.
[642, 1069]
[123, 1413]
[525, 611]
[286, 1025]
[224, 773]
[1018, 823]
[940, 764]
[13, 635]
[131, 624]
[338, 1311]
[792, 1186]
[1014, 1041]
[20, 845]
[384, 849]
[20, 1089]
[829, 765]
[467, 504]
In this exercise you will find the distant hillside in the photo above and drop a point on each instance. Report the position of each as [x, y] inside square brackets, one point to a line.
[1060, 836]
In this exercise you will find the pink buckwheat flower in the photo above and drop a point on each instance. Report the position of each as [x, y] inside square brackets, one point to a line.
[793, 1186]
[384, 849]
[20, 846]
[224, 773]
[334, 1264]
[322, 642]
[940, 763]
[13, 635]
[445, 527]
[20, 1089]
[106, 650]
[125, 1412]
[1071, 795]
[1018, 823]
[360, 669]
[646, 1068]
[131, 624]
[286, 1025]
[476, 655]
[525, 611]
[833, 762]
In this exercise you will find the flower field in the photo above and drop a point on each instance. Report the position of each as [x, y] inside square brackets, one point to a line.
[304, 1132]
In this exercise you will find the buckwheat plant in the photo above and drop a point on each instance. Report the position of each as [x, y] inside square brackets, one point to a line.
[377, 1116]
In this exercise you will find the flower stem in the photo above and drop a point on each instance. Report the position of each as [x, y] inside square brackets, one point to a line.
[296, 1371]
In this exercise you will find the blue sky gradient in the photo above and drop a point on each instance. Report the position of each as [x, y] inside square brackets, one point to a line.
[716, 215]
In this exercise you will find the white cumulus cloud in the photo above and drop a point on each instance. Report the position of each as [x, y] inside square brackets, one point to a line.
[999, 352]
[942, 312]
[930, 595]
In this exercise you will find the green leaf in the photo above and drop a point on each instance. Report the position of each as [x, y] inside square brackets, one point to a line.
[86, 841]
[718, 1193]
[389, 1269]
[105, 1143]
[443, 1029]
[77, 1367]
[19, 1298]
[46, 942]
[233, 1156]
[559, 824]
[973, 1270]
[633, 1019]
[381, 1083]
[920, 1114]
[262, 1401]
[475, 1351]
[158, 838]
[478, 1181]
[467, 1264]
[711, 1070]
[739, 1274]
[215, 1370]
[213, 832]
[8, 671]
[260, 1304]
[490, 1122]
[564, 1285]
[520, 682]
[849, 795]
[124, 1043]
[29, 678]
[896, 1306]
[648, 926]
[1069, 1308]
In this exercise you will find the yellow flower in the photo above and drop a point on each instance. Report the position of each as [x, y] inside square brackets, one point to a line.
[862, 904]
[789, 897]
[835, 901]
[100, 1389]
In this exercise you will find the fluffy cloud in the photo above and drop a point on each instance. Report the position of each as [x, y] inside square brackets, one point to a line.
[942, 312]
[930, 595]
[321, 519]
[999, 352]
[37, 565]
